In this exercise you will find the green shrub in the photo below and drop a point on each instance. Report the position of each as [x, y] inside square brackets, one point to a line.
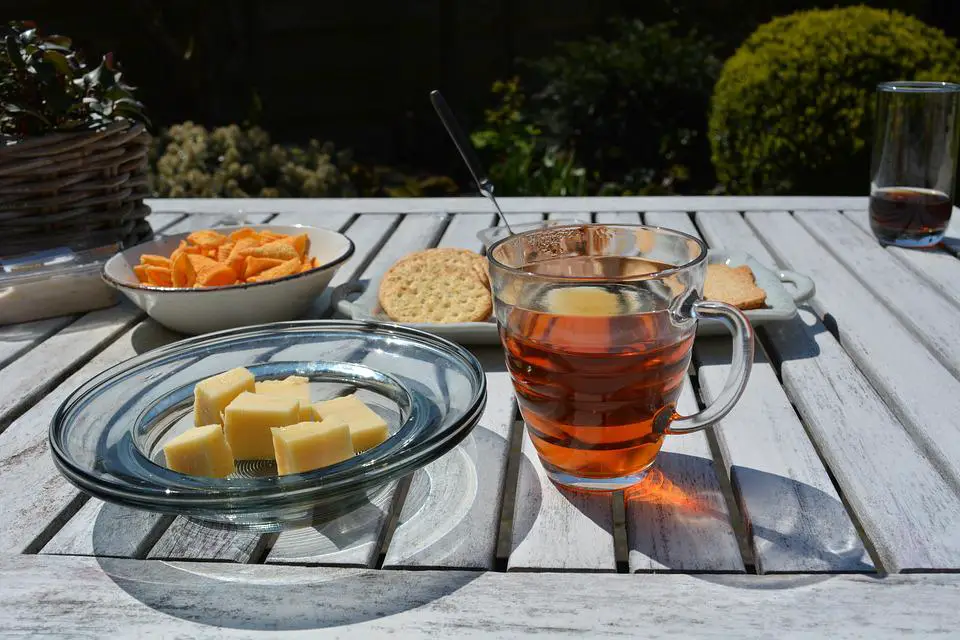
[524, 162]
[631, 111]
[792, 111]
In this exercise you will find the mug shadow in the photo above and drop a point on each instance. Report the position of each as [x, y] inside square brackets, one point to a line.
[796, 339]
[674, 500]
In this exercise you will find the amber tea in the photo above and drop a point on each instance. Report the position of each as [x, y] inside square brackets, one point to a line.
[593, 372]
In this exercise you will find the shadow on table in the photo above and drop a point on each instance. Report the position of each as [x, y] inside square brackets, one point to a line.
[149, 335]
[792, 524]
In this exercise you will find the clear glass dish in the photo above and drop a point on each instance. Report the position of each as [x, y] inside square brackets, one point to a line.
[107, 437]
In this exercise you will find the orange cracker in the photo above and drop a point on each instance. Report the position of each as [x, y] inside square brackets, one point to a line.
[300, 243]
[245, 232]
[215, 275]
[184, 275]
[158, 276]
[257, 265]
[154, 261]
[276, 249]
[224, 251]
[206, 238]
[286, 268]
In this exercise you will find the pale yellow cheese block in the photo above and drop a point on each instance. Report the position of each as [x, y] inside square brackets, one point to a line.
[367, 429]
[290, 387]
[211, 396]
[306, 446]
[248, 419]
[201, 451]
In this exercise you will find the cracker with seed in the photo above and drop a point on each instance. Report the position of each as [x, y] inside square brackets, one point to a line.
[734, 285]
[434, 287]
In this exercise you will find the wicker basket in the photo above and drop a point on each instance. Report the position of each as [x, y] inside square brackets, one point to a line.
[71, 189]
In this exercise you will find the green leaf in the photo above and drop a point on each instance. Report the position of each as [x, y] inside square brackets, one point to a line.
[13, 52]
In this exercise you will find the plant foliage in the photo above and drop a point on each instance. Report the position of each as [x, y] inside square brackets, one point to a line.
[46, 86]
[792, 111]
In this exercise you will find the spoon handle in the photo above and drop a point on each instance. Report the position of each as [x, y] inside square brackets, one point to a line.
[460, 140]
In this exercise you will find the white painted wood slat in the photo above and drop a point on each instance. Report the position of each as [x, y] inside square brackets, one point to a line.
[457, 523]
[462, 231]
[558, 529]
[677, 220]
[795, 518]
[678, 519]
[934, 320]
[335, 221]
[909, 513]
[188, 539]
[27, 378]
[923, 395]
[35, 499]
[108, 530]
[940, 268]
[17, 339]
[905, 508]
[159, 220]
[41, 596]
[479, 204]
[727, 230]
[623, 217]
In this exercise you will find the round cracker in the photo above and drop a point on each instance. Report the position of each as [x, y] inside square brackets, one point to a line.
[420, 290]
[446, 256]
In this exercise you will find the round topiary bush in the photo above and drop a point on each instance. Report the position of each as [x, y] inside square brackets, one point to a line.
[792, 111]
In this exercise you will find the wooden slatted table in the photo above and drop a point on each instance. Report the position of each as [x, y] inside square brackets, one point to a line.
[826, 504]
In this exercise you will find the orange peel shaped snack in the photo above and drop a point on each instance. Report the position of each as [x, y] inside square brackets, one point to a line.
[208, 258]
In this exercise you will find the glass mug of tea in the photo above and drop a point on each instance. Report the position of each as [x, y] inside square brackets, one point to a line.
[597, 322]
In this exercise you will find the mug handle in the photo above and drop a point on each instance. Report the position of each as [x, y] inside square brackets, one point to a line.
[742, 332]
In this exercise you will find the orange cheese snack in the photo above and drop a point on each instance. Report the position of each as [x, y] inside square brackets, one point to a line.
[208, 258]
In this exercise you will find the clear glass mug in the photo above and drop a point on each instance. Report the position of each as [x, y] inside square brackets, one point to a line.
[597, 322]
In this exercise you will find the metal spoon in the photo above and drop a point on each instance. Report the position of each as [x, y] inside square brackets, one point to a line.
[466, 151]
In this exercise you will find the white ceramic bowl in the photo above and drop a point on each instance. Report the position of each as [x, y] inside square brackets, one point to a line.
[195, 311]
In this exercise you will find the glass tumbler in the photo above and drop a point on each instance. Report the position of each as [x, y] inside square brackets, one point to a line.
[914, 163]
[597, 322]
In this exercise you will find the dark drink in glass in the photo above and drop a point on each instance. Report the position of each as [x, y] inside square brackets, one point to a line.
[907, 213]
[914, 162]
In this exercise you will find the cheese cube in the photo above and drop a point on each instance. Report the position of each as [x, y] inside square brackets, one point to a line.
[367, 429]
[290, 387]
[248, 419]
[211, 396]
[310, 445]
[201, 451]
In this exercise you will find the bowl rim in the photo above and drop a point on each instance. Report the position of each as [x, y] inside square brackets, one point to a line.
[311, 485]
[118, 284]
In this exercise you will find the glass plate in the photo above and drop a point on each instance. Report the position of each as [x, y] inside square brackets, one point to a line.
[107, 437]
